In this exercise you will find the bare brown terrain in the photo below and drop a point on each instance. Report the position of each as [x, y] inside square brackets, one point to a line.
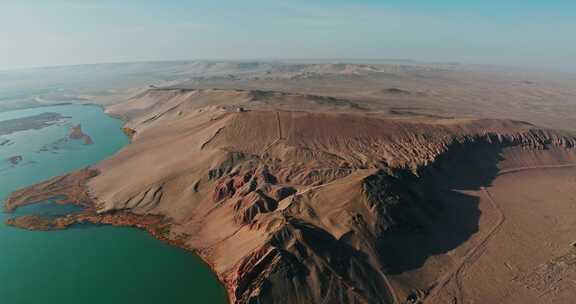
[346, 183]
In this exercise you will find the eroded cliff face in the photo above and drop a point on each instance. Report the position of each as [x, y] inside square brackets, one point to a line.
[286, 207]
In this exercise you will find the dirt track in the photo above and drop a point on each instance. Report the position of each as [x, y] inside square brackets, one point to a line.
[474, 253]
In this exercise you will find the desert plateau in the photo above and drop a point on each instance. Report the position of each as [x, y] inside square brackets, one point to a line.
[388, 182]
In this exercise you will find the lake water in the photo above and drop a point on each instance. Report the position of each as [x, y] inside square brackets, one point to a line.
[87, 264]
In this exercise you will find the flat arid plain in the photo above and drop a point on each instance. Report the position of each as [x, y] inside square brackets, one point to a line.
[322, 182]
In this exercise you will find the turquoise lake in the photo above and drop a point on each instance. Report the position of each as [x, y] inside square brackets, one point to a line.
[87, 264]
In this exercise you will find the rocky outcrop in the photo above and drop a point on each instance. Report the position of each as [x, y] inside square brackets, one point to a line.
[16, 159]
[76, 133]
[129, 132]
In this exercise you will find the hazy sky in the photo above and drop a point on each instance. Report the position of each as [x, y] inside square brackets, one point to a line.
[513, 32]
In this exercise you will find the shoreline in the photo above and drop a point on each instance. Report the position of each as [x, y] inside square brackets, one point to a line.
[39, 106]
[154, 225]
[8, 208]
[130, 134]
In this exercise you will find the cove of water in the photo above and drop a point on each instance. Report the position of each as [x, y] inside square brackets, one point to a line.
[88, 264]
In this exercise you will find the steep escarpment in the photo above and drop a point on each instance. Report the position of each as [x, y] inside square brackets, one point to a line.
[291, 206]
